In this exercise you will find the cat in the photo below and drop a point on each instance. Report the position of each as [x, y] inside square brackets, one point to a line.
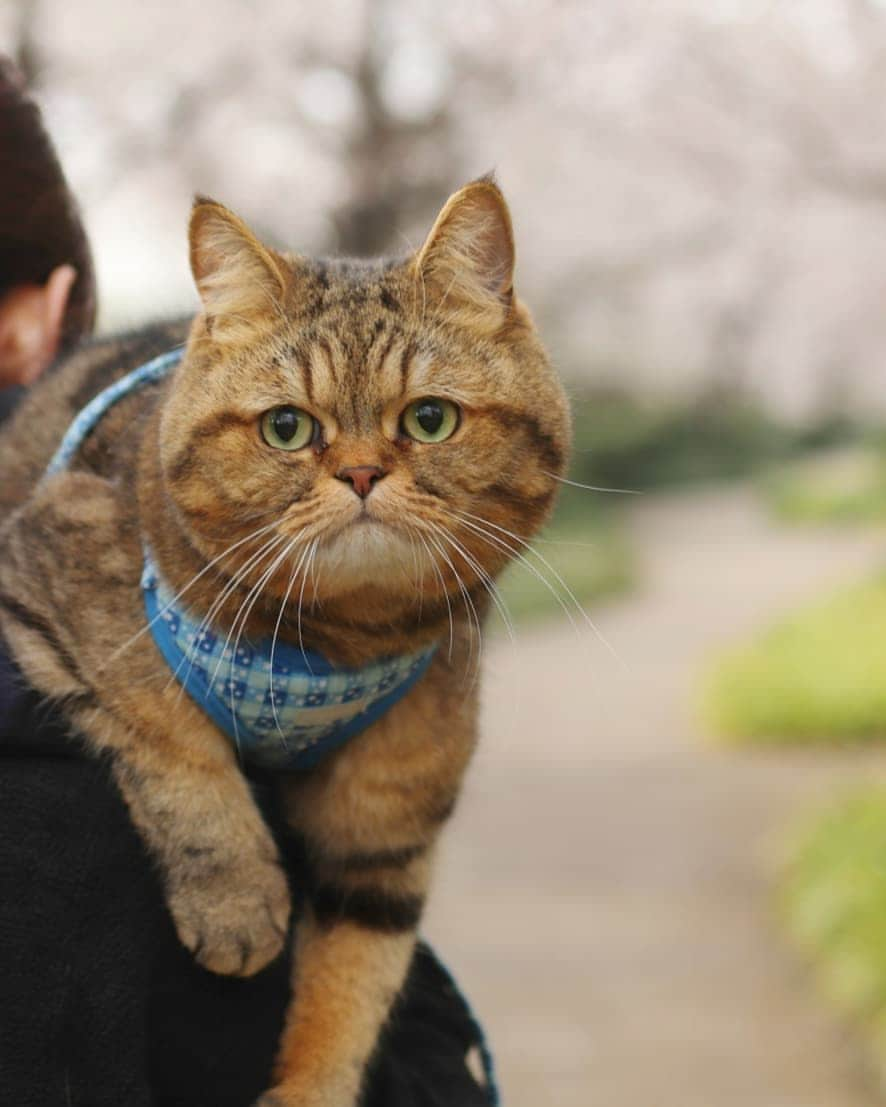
[344, 460]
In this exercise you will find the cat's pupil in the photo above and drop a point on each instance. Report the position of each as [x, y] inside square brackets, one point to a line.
[429, 416]
[286, 422]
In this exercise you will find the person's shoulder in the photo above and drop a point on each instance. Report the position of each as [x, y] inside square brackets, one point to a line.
[30, 725]
[56, 799]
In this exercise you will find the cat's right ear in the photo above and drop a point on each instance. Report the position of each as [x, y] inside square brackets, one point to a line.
[241, 282]
[466, 266]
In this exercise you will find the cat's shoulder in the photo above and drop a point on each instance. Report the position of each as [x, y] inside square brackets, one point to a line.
[32, 434]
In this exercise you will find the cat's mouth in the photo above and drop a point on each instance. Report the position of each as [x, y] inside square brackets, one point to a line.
[365, 550]
[364, 517]
[363, 528]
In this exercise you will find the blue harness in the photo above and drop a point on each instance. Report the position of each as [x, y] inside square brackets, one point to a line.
[284, 707]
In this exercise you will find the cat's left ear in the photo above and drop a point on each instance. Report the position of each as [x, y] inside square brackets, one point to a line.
[241, 282]
[467, 263]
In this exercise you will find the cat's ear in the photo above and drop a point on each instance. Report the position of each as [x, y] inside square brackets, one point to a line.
[240, 281]
[467, 263]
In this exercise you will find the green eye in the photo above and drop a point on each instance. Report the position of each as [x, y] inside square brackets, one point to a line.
[288, 428]
[430, 420]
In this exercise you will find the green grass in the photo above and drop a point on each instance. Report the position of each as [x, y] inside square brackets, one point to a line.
[816, 677]
[586, 546]
[834, 903]
[839, 486]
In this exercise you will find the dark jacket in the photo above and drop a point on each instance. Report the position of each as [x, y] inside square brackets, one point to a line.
[100, 1006]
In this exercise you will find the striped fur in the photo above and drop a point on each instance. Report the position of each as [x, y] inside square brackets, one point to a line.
[280, 539]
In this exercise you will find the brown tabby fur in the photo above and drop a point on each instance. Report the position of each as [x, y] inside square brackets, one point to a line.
[183, 464]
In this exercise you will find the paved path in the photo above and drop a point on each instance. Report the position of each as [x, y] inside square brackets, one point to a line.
[605, 892]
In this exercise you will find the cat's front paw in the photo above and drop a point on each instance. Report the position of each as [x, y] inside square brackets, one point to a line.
[233, 917]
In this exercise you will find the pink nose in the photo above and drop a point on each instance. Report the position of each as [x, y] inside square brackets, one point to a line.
[362, 478]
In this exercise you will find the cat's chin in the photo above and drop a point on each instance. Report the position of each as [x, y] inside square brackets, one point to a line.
[365, 553]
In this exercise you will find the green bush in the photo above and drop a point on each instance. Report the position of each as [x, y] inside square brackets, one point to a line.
[834, 903]
[623, 442]
[847, 485]
[818, 676]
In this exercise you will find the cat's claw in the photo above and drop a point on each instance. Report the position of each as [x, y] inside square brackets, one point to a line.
[233, 918]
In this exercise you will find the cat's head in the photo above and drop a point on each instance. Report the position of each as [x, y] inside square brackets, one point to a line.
[392, 423]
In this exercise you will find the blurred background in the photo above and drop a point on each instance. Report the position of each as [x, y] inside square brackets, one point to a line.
[667, 881]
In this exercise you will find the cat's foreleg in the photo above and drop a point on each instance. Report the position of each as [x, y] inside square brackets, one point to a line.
[352, 955]
[71, 610]
[192, 806]
[370, 819]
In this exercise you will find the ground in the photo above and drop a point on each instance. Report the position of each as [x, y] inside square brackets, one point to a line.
[605, 894]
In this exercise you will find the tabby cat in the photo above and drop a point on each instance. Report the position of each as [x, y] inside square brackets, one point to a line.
[343, 459]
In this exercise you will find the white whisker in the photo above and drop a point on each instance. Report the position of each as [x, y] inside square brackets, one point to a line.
[295, 570]
[470, 609]
[301, 596]
[312, 564]
[242, 617]
[571, 595]
[442, 581]
[486, 580]
[419, 575]
[230, 587]
[593, 487]
[197, 576]
[499, 544]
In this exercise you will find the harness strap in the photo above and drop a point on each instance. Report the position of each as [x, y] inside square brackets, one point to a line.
[90, 416]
